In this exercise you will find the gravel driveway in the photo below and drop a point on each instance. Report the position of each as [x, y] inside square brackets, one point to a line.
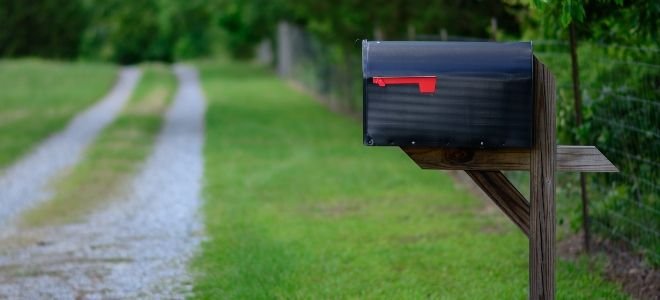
[137, 247]
[25, 183]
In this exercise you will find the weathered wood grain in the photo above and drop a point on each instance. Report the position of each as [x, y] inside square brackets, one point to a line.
[542, 187]
[583, 159]
[569, 158]
[505, 196]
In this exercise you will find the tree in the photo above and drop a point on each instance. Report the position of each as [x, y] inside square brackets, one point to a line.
[620, 21]
[246, 23]
[134, 31]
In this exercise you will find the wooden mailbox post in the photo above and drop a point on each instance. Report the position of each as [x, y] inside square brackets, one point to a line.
[536, 218]
[496, 105]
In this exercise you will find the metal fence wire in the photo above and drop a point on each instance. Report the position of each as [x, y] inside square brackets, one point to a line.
[323, 69]
[621, 104]
[621, 92]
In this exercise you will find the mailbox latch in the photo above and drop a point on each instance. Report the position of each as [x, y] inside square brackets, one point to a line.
[426, 84]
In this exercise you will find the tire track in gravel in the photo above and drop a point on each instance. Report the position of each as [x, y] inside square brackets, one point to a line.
[137, 247]
[25, 183]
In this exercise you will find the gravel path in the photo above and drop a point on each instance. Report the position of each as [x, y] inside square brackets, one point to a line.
[26, 182]
[137, 247]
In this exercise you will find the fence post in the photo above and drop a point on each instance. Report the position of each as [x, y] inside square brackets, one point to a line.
[493, 28]
[443, 34]
[411, 32]
[378, 34]
[265, 52]
[284, 49]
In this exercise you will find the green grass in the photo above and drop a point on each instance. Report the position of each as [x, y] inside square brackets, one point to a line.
[39, 97]
[113, 157]
[296, 207]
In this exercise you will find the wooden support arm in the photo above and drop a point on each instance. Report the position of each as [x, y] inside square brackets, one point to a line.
[505, 196]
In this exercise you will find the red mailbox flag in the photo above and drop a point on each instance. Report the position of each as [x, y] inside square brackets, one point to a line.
[426, 83]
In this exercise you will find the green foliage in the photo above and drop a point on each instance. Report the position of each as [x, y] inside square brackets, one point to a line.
[343, 22]
[248, 22]
[624, 22]
[189, 27]
[566, 10]
[116, 30]
[633, 23]
[133, 31]
[136, 32]
[46, 28]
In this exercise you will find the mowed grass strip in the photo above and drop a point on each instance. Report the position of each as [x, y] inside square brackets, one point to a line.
[39, 97]
[114, 157]
[296, 207]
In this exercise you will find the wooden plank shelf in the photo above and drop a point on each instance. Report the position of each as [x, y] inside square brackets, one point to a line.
[569, 158]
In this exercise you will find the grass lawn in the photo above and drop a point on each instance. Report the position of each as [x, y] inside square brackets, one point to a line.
[296, 207]
[114, 156]
[39, 97]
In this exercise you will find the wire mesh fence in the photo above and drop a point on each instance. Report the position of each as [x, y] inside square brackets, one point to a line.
[621, 104]
[327, 71]
[621, 92]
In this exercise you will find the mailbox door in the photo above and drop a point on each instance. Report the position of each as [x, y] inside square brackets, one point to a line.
[447, 94]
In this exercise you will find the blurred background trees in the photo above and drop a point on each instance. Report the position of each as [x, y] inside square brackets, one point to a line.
[132, 31]
[113, 30]
[47, 28]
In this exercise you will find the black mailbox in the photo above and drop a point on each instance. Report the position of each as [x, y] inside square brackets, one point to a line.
[447, 94]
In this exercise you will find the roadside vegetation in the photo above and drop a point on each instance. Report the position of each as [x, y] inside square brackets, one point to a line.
[114, 157]
[38, 98]
[296, 207]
